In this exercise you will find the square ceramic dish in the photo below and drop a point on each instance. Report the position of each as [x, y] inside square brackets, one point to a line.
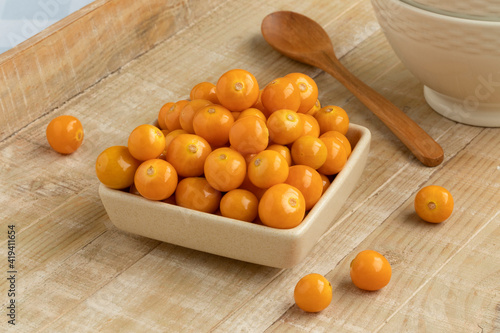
[235, 239]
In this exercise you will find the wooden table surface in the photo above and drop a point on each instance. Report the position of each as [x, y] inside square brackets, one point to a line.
[113, 64]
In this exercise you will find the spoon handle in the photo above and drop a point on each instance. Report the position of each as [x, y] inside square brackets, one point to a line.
[421, 144]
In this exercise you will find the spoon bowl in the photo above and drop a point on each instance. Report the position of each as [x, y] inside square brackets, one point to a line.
[301, 38]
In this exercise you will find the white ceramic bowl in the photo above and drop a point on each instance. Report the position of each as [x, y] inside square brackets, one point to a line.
[236, 239]
[457, 60]
[472, 9]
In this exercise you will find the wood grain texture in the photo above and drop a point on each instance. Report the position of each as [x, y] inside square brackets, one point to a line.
[77, 273]
[416, 264]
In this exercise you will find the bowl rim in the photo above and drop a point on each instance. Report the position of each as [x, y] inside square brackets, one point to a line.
[475, 17]
[442, 17]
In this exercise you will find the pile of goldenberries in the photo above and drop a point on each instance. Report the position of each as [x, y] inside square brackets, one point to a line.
[257, 155]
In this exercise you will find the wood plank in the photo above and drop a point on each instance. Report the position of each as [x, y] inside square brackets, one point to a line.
[462, 296]
[54, 237]
[79, 276]
[172, 289]
[45, 71]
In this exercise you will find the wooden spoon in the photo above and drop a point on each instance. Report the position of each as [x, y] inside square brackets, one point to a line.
[304, 40]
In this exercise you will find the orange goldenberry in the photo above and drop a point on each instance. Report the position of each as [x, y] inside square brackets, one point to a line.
[281, 93]
[188, 112]
[326, 182]
[370, 270]
[316, 107]
[308, 90]
[259, 106]
[65, 134]
[170, 136]
[285, 126]
[332, 118]
[309, 150]
[252, 112]
[336, 156]
[171, 119]
[313, 293]
[162, 115]
[239, 204]
[204, 90]
[155, 179]
[196, 193]
[310, 125]
[267, 168]
[283, 150]
[433, 203]
[282, 206]
[237, 89]
[187, 153]
[342, 138]
[213, 123]
[146, 142]
[115, 167]
[225, 169]
[308, 181]
[249, 135]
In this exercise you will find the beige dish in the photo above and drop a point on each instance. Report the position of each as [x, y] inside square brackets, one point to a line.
[457, 60]
[235, 239]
